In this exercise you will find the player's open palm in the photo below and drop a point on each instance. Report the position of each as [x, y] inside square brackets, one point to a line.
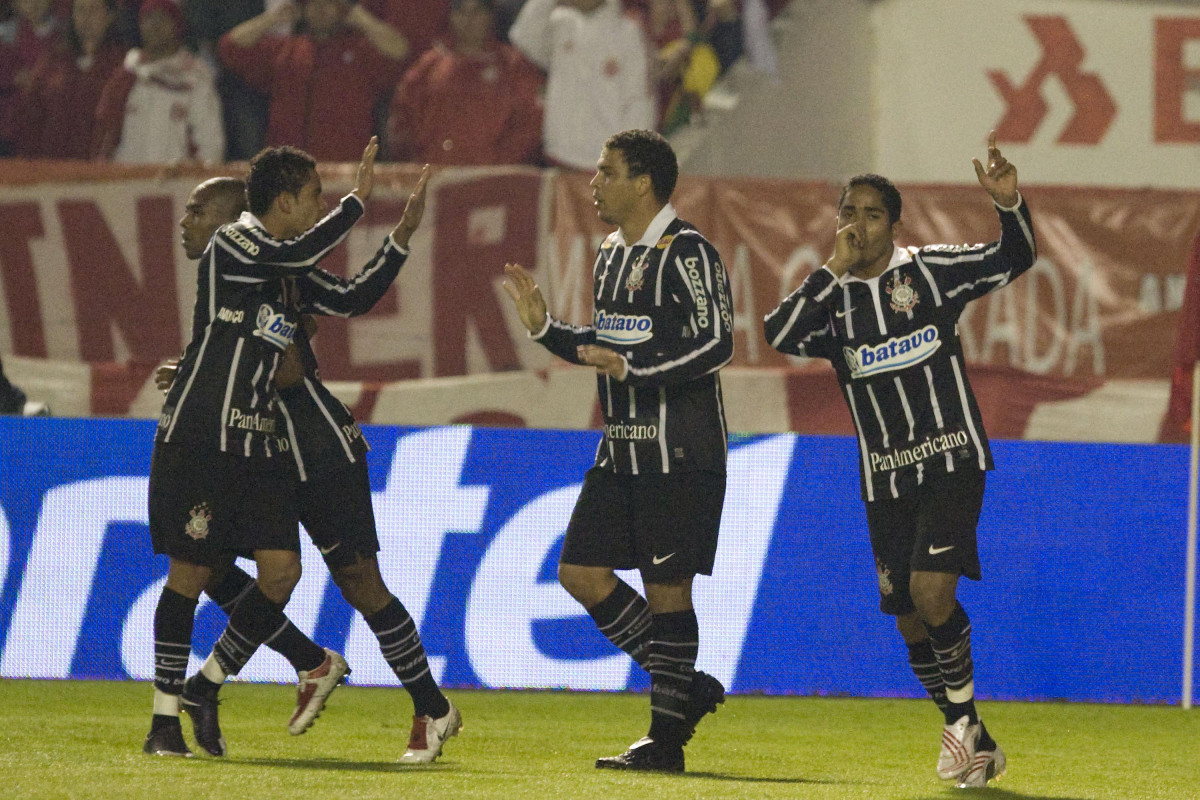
[531, 306]
[414, 210]
[999, 177]
[364, 183]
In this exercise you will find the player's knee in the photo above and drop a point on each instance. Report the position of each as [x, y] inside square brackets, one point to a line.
[277, 582]
[362, 586]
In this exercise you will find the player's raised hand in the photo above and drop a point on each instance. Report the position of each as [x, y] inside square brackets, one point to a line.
[365, 181]
[1000, 176]
[848, 246]
[531, 306]
[414, 210]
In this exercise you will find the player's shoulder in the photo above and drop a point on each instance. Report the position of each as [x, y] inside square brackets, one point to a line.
[683, 235]
[242, 235]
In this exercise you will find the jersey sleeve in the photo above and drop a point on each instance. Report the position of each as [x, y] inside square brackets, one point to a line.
[694, 278]
[800, 325]
[322, 292]
[961, 273]
[562, 338]
[254, 254]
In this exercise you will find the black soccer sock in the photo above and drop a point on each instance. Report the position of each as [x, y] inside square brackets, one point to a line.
[289, 641]
[674, 642]
[255, 620]
[951, 642]
[401, 646]
[925, 666]
[173, 620]
[624, 619]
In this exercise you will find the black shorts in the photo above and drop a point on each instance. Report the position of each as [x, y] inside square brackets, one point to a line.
[929, 530]
[666, 526]
[335, 509]
[206, 506]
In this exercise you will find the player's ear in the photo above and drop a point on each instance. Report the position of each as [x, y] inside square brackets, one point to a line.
[897, 229]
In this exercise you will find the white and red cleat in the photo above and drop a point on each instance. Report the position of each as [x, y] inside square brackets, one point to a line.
[314, 688]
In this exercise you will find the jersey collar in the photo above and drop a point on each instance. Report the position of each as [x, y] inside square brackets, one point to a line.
[654, 231]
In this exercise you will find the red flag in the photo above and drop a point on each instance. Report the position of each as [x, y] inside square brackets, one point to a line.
[1177, 424]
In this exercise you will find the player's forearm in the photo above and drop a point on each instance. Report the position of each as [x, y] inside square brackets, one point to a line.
[801, 314]
[332, 295]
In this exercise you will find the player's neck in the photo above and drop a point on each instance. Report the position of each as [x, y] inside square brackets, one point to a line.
[634, 228]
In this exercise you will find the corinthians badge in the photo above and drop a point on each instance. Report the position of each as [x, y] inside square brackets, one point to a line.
[904, 297]
[197, 526]
[637, 274]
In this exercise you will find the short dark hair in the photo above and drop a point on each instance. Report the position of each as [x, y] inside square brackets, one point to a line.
[274, 171]
[887, 190]
[648, 153]
[229, 192]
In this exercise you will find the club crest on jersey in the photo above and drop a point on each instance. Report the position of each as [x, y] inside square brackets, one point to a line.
[623, 328]
[904, 297]
[197, 526]
[637, 274]
[885, 578]
[273, 327]
[895, 353]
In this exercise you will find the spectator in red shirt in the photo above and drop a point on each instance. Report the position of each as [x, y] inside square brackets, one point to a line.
[422, 23]
[474, 103]
[59, 111]
[323, 81]
[28, 37]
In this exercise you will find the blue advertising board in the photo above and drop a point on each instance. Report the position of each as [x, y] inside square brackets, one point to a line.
[1083, 550]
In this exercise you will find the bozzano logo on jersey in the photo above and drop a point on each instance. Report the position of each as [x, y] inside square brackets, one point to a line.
[896, 353]
[623, 328]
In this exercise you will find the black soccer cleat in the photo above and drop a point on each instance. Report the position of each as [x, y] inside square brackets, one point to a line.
[201, 705]
[646, 755]
[706, 694]
[166, 739]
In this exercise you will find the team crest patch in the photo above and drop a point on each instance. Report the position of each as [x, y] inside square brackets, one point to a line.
[885, 580]
[197, 526]
[904, 297]
[637, 274]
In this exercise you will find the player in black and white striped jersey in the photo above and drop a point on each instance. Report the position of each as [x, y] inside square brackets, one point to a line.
[662, 328]
[887, 317]
[217, 482]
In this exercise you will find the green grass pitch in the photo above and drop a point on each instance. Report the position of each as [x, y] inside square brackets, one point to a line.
[61, 740]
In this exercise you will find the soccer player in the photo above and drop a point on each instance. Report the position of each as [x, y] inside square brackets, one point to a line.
[328, 451]
[887, 316]
[662, 328]
[218, 484]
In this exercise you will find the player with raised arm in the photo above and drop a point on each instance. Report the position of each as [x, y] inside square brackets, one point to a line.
[887, 317]
[217, 482]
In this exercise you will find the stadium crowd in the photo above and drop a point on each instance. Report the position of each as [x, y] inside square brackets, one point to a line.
[461, 82]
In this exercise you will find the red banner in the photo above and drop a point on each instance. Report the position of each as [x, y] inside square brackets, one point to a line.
[90, 271]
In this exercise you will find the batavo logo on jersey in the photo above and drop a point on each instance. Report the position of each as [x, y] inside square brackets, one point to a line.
[904, 457]
[623, 328]
[274, 327]
[896, 353]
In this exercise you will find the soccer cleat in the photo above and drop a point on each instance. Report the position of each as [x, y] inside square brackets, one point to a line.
[705, 694]
[201, 706]
[166, 740]
[958, 748]
[985, 766]
[429, 734]
[314, 688]
[646, 755]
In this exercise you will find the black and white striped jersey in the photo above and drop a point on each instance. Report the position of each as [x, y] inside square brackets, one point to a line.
[894, 344]
[322, 431]
[223, 396]
[664, 304]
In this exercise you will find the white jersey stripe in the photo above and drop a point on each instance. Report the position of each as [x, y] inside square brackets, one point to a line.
[662, 428]
[862, 445]
[291, 430]
[229, 383]
[966, 407]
